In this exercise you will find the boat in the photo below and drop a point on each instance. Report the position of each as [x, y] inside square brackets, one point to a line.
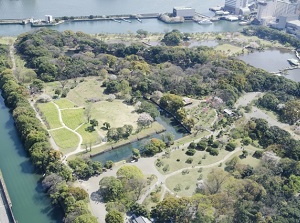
[244, 23]
[205, 22]
[293, 62]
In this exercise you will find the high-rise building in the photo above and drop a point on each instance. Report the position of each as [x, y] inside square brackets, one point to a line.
[269, 10]
[235, 5]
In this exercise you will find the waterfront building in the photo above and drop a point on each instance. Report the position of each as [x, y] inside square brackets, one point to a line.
[270, 10]
[235, 6]
[48, 18]
[185, 12]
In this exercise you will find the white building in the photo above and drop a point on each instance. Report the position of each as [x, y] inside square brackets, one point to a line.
[48, 18]
[235, 5]
[270, 10]
[185, 12]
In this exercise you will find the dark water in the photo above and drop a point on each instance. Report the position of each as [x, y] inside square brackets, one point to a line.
[272, 60]
[30, 204]
[125, 152]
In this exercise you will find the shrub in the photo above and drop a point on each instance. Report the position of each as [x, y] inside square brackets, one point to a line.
[192, 145]
[189, 160]
[190, 152]
[215, 144]
[201, 145]
[230, 146]
[257, 154]
[159, 163]
[214, 152]
[166, 168]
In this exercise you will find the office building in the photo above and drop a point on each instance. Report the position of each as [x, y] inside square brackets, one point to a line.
[235, 6]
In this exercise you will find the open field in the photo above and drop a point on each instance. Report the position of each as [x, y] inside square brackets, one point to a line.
[50, 114]
[178, 159]
[64, 103]
[229, 49]
[116, 113]
[89, 137]
[65, 139]
[185, 184]
[73, 117]
[7, 40]
[87, 89]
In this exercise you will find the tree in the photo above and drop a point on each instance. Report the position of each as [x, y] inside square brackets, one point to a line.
[86, 218]
[173, 38]
[136, 153]
[37, 85]
[108, 164]
[129, 172]
[106, 125]
[144, 120]
[291, 111]
[171, 102]
[154, 146]
[87, 112]
[111, 189]
[114, 217]
[215, 180]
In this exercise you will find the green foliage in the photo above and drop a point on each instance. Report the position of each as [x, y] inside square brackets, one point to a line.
[173, 38]
[85, 168]
[189, 160]
[116, 134]
[148, 108]
[201, 145]
[154, 146]
[230, 146]
[108, 164]
[114, 217]
[190, 152]
[129, 172]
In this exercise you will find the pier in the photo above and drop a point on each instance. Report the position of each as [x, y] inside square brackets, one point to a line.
[6, 214]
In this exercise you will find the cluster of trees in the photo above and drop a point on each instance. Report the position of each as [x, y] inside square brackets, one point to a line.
[154, 146]
[265, 32]
[85, 168]
[46, 160]
[273, 138]
[285, 105]
[122, 192]
[115, 134]
[73, 200]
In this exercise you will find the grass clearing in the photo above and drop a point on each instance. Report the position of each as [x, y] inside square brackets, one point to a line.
[90, 88]
[185, 184]
[64, 103]
[50, 114]
[229, 49]
[73, 117]
[116, 113]
[65, 139]
[92, 138]
[178, 160]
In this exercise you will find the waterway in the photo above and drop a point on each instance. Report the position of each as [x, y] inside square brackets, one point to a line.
[30, 204]
[273, 60]
[38, 9]
[125, 152]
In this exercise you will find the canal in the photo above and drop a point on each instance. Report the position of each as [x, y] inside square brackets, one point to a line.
[125, 152]
[30, 204]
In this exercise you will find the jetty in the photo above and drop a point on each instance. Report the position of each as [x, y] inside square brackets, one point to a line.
[6, 213]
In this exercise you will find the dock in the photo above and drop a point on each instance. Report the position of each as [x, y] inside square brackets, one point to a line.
[6, 213]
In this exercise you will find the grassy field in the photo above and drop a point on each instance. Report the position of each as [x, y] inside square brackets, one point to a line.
[229, 49]
[178, 159]
[89, 137]
[65, 139]
[116, 113]
[50, 114]
[87, 89]
[73, 117]
[64, 103]
[185, 184]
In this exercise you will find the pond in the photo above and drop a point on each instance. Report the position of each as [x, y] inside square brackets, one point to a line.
[272, 60]
[125, 152]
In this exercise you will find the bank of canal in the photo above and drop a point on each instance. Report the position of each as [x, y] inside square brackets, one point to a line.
[29, 203]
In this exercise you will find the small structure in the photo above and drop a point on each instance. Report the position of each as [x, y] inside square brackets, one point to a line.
[185, 12]
[48, 18]
[140, 219]
[228, 112]
[187, 101]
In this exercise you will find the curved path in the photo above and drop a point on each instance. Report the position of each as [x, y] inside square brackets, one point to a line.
[78, 149]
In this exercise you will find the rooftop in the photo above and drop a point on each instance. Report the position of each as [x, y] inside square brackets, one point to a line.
[182, 7]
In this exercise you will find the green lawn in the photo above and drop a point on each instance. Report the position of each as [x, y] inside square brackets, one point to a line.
[65, 139]
[64, 103]
[182, 157]
[229, 49]
[202, 114]
[50, 114]
[88, 89]
[116, 113]
[186, 183]
[89, 137]
[73, 117]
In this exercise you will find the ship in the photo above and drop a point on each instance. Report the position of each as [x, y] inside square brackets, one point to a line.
[205, 22]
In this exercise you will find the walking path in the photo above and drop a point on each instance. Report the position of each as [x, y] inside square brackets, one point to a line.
[12, 57]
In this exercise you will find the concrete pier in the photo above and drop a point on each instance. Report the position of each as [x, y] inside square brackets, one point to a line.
[6, 214]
